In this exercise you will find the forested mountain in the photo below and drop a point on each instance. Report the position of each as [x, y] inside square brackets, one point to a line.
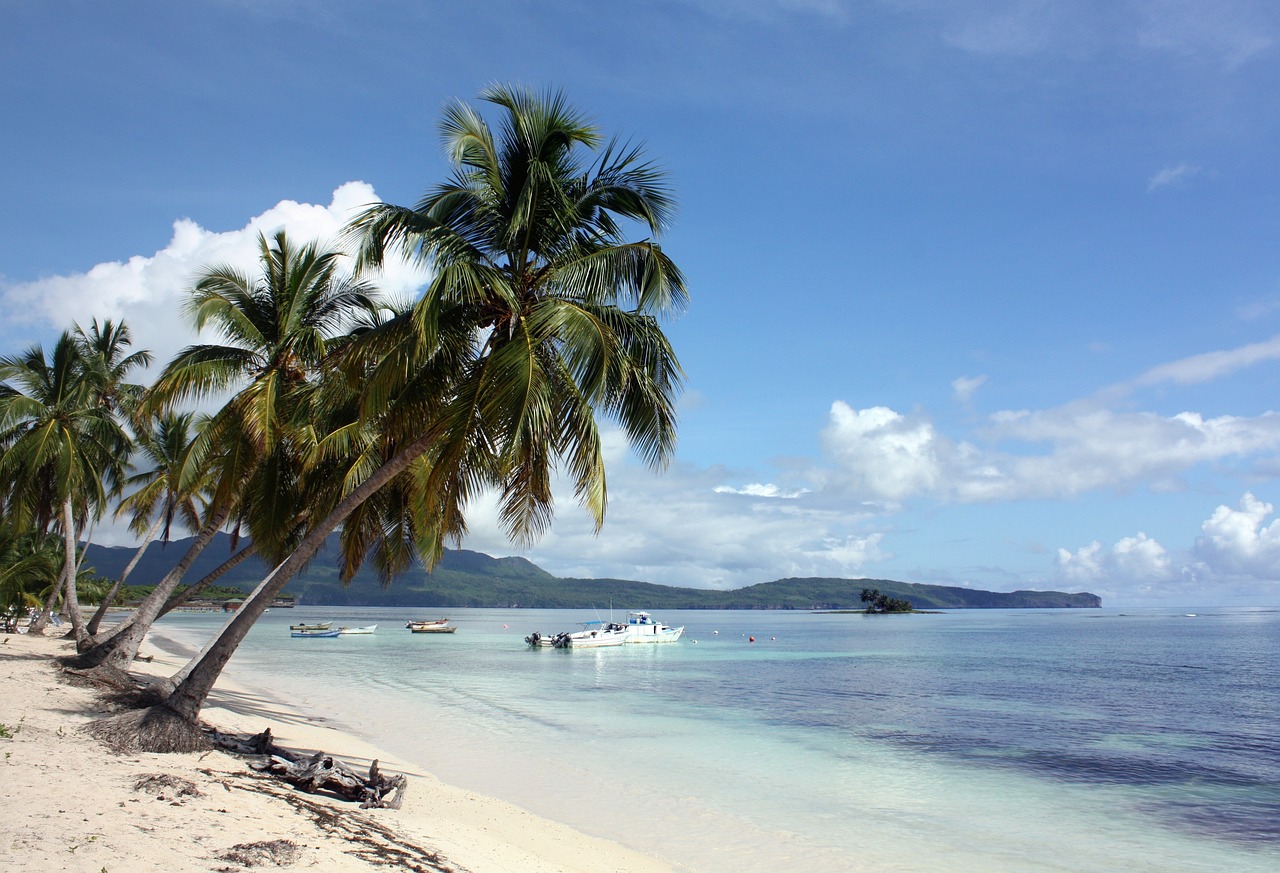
[471, 579]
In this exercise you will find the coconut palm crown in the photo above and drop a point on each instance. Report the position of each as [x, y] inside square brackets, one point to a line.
[527, 243]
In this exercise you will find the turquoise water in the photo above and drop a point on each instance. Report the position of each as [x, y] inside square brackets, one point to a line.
[1073, 740]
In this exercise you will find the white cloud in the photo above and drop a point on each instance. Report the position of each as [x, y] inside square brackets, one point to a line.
[878, 453]
[1234, 542]
[965, 386]
[760, 489]
[1135, 564]
[881, 453]
[1211, 365]
[1174, 175]
[147, 291]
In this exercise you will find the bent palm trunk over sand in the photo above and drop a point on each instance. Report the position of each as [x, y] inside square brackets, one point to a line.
[540, 315]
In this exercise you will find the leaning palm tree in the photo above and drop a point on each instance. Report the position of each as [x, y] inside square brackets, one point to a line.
[61, 451]
[541, 315]
[277, 327]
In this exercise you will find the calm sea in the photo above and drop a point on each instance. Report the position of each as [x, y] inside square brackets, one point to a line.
[1018, 740]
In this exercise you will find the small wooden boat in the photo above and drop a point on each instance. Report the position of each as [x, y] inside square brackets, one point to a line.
[414, 622]
[367, 629]
[315, 633]
[432, 627]
[311, 627]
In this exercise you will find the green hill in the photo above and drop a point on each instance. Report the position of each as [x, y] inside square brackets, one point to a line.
[472, 579]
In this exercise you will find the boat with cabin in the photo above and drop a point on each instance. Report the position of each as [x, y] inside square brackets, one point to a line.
[644, 628]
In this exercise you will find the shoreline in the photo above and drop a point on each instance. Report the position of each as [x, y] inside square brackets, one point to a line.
[77, 806]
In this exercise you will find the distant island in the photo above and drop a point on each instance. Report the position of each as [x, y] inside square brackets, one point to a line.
[472, 579]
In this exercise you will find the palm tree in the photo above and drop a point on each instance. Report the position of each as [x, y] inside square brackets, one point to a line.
[61, 450]
[540, 315]
[169, 489]
[107, 362]
[277, 329]
[29, 564]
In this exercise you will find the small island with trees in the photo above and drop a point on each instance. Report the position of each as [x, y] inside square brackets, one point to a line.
[879, 603]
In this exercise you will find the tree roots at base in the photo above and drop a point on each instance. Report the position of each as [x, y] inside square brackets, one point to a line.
[156, 729]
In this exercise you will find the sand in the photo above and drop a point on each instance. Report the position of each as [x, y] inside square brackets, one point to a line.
[68, 803]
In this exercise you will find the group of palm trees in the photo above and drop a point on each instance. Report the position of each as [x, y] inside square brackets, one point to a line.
[343, 412]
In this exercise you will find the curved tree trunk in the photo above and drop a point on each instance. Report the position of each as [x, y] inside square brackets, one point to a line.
[72, 601]
[193, 683]
[229, 564]
[118, 652]
[111, 595]
[42, 619]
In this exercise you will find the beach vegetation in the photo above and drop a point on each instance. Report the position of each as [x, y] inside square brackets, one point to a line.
[63, 446]
[542, 314]
[276, 329]
[168, 489]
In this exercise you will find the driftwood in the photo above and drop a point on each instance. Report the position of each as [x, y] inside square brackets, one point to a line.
[318, 773]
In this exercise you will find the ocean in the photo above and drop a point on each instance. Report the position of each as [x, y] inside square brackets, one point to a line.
[982, 740]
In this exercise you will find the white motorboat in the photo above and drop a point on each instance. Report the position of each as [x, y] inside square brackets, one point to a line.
[594, 635]
[367, 629]
[643, 628]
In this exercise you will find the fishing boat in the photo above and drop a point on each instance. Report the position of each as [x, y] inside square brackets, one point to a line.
[315, 633]
[431, 627]
[311, 627]
[643, 628]
[413, 622]
[367, 629]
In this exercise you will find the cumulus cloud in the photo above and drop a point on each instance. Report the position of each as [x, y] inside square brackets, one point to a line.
[881, 453]
[147, 291]
[1132, 559]
[1235, 542]
[1174, 175]
[878, 453]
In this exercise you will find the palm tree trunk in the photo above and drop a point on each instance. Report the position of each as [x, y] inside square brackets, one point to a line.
[229, 564]
[194, 682]
[42, 619]
[118, 651]
[72, 601]
[111, 595]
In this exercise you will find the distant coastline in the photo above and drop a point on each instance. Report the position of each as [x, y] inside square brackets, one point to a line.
[467, 579]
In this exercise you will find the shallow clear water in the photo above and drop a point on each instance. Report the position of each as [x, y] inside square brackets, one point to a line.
[1072, 740]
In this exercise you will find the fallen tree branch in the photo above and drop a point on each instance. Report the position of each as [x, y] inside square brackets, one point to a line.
[318, 774]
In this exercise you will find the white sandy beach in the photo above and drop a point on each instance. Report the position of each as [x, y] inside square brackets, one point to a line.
[71, 804]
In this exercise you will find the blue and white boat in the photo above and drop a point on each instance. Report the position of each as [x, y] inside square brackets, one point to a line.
[643, 628]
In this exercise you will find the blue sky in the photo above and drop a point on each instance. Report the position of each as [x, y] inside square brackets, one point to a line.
[983, 294]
